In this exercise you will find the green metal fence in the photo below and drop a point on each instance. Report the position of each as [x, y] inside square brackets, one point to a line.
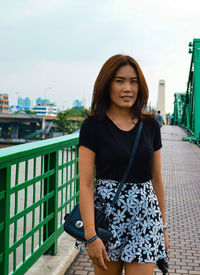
[187, 106]
[179, 102]
[38, 186]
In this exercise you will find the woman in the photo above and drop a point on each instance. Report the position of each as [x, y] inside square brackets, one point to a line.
[137, 221]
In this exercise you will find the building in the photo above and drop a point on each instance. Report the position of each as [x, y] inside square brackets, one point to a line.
[161, 98]
[14, 108]
[77, 103]
[47, 109]
[4, 105]
[24, 104]
[40, 101]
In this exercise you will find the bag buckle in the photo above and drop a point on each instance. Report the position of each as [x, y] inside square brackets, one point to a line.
[79, 224]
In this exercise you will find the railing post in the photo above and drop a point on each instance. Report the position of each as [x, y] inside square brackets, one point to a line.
[51, 184]
[76, 173]
[196, 49]
[4, 217]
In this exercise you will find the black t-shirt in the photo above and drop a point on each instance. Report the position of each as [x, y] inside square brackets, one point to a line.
[113, 148]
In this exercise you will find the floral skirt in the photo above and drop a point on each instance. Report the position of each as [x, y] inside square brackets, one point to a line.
[135, 222]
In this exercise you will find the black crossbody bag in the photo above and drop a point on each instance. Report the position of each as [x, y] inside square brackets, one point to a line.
[73, 224]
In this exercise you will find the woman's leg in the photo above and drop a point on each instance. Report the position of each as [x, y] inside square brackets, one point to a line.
[114, 268]
[139, 269]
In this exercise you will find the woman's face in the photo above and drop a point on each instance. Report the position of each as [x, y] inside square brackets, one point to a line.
[124, 87]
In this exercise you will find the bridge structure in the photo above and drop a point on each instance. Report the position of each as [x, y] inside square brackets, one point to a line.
[187, 105]
[20, 128]
[39, 184]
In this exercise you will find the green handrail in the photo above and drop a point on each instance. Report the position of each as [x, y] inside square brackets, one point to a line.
[39, 184]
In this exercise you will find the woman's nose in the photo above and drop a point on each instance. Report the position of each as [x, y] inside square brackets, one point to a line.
[127, 88]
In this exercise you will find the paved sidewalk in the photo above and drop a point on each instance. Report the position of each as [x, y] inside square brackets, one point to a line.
[181, 174]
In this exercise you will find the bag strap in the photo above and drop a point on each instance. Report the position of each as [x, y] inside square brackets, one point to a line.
[135, 145]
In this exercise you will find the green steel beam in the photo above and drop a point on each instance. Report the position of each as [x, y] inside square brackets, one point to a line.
[14, 152]
[52, 205]
[190, 102]
[179, 102]
[3, 173]
[196, 50]
[5, 176]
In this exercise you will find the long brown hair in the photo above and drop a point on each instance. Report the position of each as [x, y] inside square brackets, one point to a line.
[101, 92]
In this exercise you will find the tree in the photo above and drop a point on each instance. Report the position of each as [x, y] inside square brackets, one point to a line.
[61, 122]
[28, 112]
[77, 112]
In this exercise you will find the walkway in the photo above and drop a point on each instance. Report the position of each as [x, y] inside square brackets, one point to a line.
[181, 173]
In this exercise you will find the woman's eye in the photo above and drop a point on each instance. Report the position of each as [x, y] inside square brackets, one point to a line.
[118, 80]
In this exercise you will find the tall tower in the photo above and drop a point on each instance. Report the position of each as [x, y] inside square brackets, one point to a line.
[161, 98]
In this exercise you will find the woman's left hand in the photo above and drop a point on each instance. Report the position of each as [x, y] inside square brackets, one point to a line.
[167, 244]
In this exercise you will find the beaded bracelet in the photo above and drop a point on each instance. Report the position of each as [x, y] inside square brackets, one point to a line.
[91, 240]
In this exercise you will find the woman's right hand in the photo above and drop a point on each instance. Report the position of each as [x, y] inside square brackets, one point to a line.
[97, 253]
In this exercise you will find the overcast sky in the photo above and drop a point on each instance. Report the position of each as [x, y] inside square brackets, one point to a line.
[55, 48]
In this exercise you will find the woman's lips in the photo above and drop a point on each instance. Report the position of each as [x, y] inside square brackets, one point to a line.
[126, 97]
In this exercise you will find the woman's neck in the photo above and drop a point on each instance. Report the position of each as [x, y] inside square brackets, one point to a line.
[121, 115]
[123, 120]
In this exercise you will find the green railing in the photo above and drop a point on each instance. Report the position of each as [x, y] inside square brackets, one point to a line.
[187, 106]
[179, 102]
[38, 186]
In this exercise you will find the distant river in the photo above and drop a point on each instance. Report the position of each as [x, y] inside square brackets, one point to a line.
[4, 146]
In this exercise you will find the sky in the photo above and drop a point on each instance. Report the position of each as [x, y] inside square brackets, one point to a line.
[55, 48]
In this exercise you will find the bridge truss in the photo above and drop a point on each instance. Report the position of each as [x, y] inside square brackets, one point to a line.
[187, 106]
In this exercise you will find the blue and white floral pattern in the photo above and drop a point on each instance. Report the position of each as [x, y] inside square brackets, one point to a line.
[135, 222]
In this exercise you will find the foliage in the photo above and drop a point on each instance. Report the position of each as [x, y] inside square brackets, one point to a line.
[64, 125]
[61, 122]
[28, 112]
[77, 112]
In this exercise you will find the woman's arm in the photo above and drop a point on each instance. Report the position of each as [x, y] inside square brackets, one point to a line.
[86, 197]
[157, 182]
[96, 249]
[158, 186]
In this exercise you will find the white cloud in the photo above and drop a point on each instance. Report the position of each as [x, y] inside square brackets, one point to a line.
[40, 8]
[49, 42]
[14, 11]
